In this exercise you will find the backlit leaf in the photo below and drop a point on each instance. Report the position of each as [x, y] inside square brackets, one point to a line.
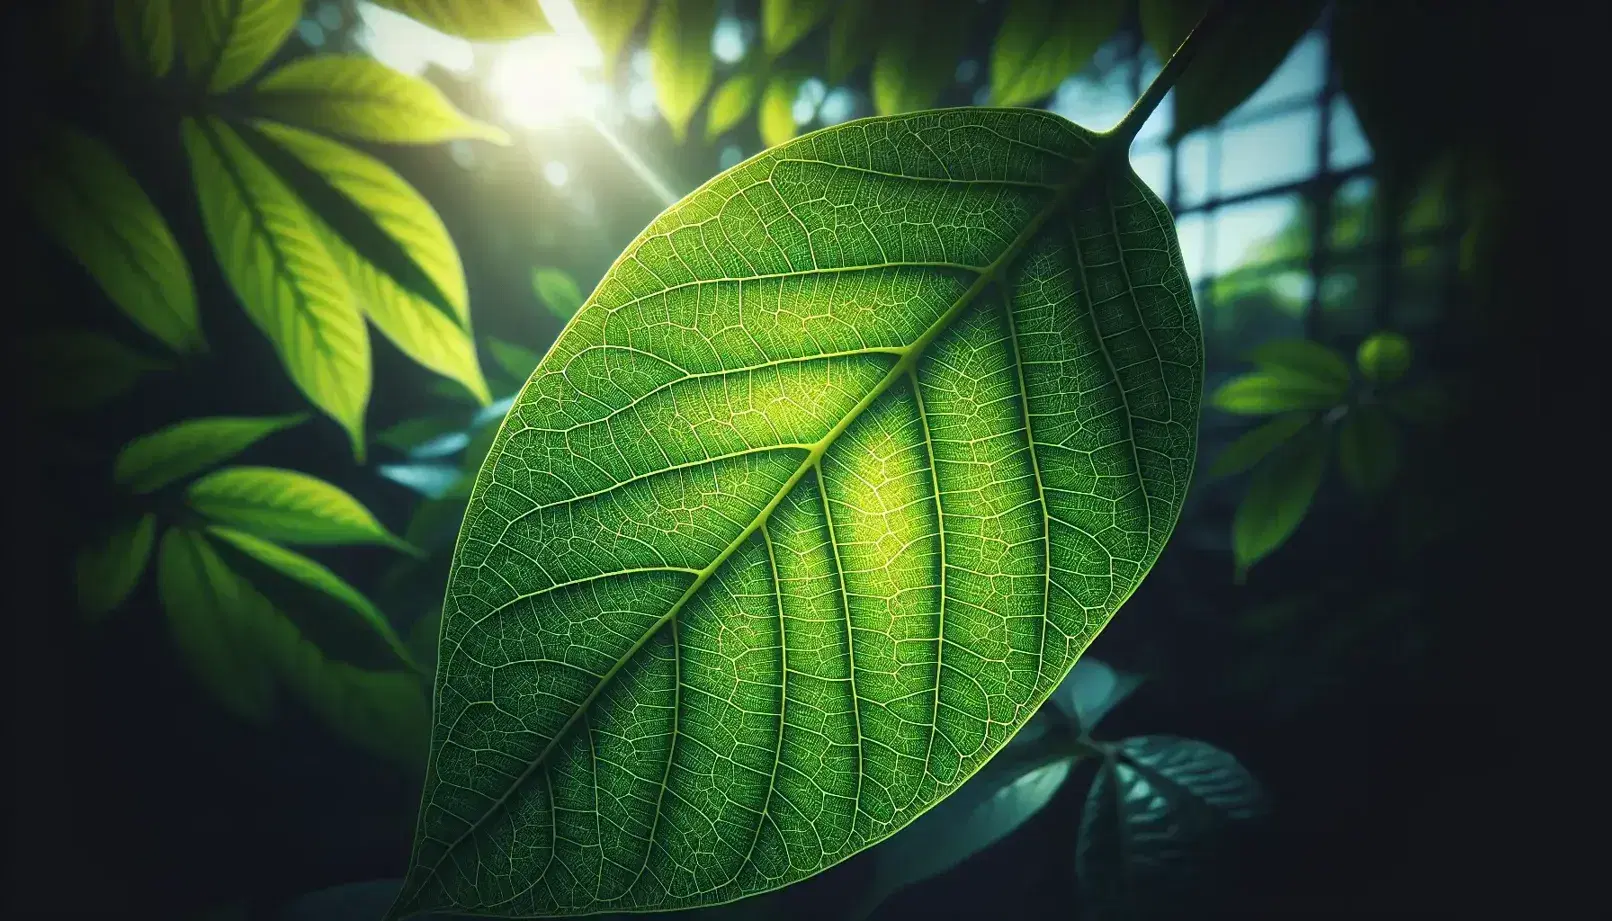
[611, 23]
[1278, 498]
[1263, 393]
[1154, 819]
[85, 199]
[295, 566]
[360, 98]
[78, 369]
[776, 115]
[224, 42]
[837, 472]
[558, 292]
[396, 287]
[480, 20]
[1384, 357]
[1368, 448]
[152, 461]
[270, 249]
[146, 33]
[914, 66]
[785, 22]
[110, 568]
[1042, 42]
[730, 103]
[210, 615]
[1253, 445]
[680, 58]
[287, 506]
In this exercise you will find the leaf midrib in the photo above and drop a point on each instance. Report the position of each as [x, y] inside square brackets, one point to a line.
[906, 363]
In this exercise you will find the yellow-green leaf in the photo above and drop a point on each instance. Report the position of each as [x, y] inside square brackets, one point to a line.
[88, 203]
[680, 58]
[854, 33]
[611, 23]
[1253, 446]
[730, 103]
[1268, 392]
[558, 292]
[287, 506]
[146, 33]
[785, 22]
[776, 117]
[517, 361]
[1302, 358]
[273, 256]
[360, 98]
[152, 461]
[478, 20]
[224, 42]
[387, 293]
[210, 615]
[1041, 42]
[1278, 498]
[1368, 449]
[913, 66]
[295, 566]
[78, 369]
[1384, 357]
[110, 568]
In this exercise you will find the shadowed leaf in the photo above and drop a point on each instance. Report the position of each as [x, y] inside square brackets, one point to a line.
[1278, 498]
[152, 461]
[1253, 445]
[79, 369]
[110, 568]
[1368, 448]
[146, 34]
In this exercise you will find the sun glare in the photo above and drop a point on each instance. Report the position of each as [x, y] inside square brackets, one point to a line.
[542, 81]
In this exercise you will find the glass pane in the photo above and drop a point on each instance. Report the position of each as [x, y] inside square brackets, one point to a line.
[1193, 230]
[1093, 102]
[1349, 145]
[1262, 232]
[1267, 153]
[1154, 169]
[1192, 172]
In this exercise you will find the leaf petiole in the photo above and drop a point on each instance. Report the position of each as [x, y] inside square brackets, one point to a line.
[1123, 133]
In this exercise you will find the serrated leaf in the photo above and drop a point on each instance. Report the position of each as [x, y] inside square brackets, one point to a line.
[1368, 448]
[785, 22]
[152, 461]
[914, 66]
[752, 443]
[517, 361]
[1153, 821]
[1246, 48]
[398, 286]
[269, 247]
[775, 118]
[558, 292]
[854, 33]
[611, 23]
[730, 103]
[1301, 358]
[287, 506]
[295, 566]
[1278, 498]
[224, 42]
[79, 369]
[1263, 393]
[210, 612]
[110, 568]
[146, 34]
[1041, 42]
[1384, 357]
[360, 98]
[1092, 689]
[85, 199]
[478, 20]
[1253, 445]
[680, 58]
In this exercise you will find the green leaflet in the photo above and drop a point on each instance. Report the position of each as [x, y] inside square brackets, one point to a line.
[481, 20]
[1278, 498]
[267, 243]
[400, 285]
[681, 63]
[730, 103]
[288, 506]
[914, 66]
[558, 292]
[1384, 357]
[1368, 448]
[152, 461]
[360, 98]
[78, 369]
[146, 34]
[841, 467]
[611, 23]
[224, 42]
[785, 22]
[85, 199]
[211, 614]
[775, 118]
[110, 568]
[1255, 444]
[1041, 42]
[295, 566]
[1274, 391]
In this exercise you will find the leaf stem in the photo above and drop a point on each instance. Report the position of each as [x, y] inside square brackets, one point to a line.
[1125, 132]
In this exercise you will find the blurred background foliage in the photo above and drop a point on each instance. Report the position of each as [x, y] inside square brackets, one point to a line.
[243, 501]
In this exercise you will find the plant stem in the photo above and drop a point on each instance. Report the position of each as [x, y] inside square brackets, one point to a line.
[1123, 133]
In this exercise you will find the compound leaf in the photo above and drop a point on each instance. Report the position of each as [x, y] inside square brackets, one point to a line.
[360, 98]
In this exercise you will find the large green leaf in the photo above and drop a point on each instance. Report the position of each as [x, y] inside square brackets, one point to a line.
[785, 22]
[152, 461]
[110, 568]
[272, 254]
[1279, 497]
[1041, 42]
[86, 200]
[823, 491]
[680, 58]
[224, 42]
[1152, 823]
[611, 23]
[483, 20]
[146, 33]
[78, 369]
[360, 98]
[398, 287]
[914, 66]
[287, 506]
